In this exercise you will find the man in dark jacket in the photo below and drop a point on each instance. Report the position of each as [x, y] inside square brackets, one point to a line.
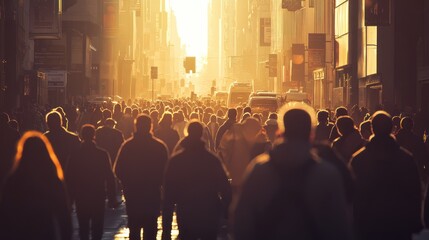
[90, 177]
[387, 199]
[232, 119]
[324, 126]
[339, 112]
[413, 143]
[8, 139]
[350, 140]
[202, 196]
[63, 141]
[109, 138]
[140, 167]
[291, 194]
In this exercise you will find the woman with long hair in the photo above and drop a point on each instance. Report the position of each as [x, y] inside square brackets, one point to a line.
[33, 202]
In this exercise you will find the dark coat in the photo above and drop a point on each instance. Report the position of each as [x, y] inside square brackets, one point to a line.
[140, 167]
[169, 136]
[90, 176]
[64, 143]
[323, 131]
[290, 194]
[196, 181]
[346, 146]
[387, 199]
[415, 145]
[109, 139]
[35, 209]
[8, 139]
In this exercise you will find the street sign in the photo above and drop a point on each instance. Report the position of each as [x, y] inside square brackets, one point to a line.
[154, 72]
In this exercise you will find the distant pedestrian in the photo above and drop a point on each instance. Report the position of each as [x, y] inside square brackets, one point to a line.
[365, 130]
[387, 200]
[140, 166]
[271, 127]
[232, 119]
[324, 126]
[350, 140]
[166, 133]
[34, 202]
[8, 139]
[290, 193]
[109, 138]
[90, 179]
[63, 141]
[202, 197]
[339, 112]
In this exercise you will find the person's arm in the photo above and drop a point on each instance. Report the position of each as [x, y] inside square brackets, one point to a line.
[224, 187]
[119, 162]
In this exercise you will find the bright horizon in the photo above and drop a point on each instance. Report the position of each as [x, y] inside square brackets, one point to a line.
[192, 21]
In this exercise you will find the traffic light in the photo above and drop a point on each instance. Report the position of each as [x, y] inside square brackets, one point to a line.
[298, 62]
[154, 72]
[189, 64]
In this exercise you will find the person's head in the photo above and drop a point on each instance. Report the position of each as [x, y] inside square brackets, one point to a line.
[251, 127]
[232, 113]
[87, 132]
[143, 124]
[341, 111]
[135, 112]
[54, 120]
[4, 119]
[273, 116]
[245, 116]
[396, 120]
[407, 123]
[107, 114]
[323, 117]
[110, 123]
[127, 111]
[14, 124]
[297, 121]
[365, 130]
[213, 118]
[166, 120]
[345, 125]
[154, 114]
[247, 110]
[258, 117]
[381, 123]
[194, 116]
[36, 157]
[194, 130]
[117, 108]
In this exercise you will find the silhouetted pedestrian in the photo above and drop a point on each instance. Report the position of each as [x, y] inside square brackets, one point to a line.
[232, 119]
[324, 127]
[387, 200]
[291, 194]
[202, 197]
[166, 133]
[109, 138]
[271, 127]
[340, 111]
[63, 141]
[8, 139]
[34, 202]
[140, 167]
[90, 179]
[350, 140]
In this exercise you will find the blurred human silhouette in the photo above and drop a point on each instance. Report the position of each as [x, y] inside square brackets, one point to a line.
[8, 139]
[349, 141]
[365, 130]
[140, 166]
[324, 127]
[232, 119]
[109, 138]
[63, 141]
[34, 202]
[213, 126]
[271, 126]
[179, 123]
[202, 196]
[388, 195]
[126, 123]
[289, 193]
[413, 143]
[340, 111]
[166, 133]
[90, 178]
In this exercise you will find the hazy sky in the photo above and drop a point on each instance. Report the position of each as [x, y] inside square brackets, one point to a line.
[192, 25]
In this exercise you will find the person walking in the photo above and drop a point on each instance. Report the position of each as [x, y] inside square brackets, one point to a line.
[8, 139]
[324, 127]
[33, 203]
[349, 141]
[90, 179]
[290, 193]
[63, 141]
[140, 166]
[202, 197]
[166, 133]
[387, 199]
[109, 138]
[232, 119]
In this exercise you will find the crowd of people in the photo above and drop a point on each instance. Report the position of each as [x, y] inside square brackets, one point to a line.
[293, 174]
